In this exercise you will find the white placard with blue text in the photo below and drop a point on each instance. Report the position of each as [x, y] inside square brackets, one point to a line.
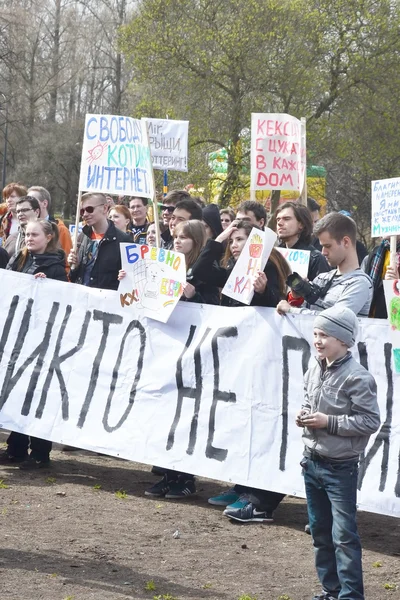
[298, 260]
[153, 281]
[385, 212]
[116, 157]
[168, 144]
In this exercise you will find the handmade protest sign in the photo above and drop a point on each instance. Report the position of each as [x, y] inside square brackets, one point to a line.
[298, 260]
[278, 152]
[213, 392]
[392, 297]
[153, 282]
[116, 157]
[385, 213]
[168, 144]
[252, 259]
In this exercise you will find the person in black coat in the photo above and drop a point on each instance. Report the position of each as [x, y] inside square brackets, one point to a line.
[294, 227]
[215, 265]
[98, 260]
[42, 257]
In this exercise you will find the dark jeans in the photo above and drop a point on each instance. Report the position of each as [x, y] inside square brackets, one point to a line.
[18, 444]
[331, 490]
[175, 475]
[262, 499]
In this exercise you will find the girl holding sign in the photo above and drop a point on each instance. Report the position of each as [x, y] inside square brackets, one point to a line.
[214, 267]
[41, 258]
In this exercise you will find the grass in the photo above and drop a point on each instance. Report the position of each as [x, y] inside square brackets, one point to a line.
[50, 480]
[121, 494]
[150, 586]
[97, 486]
[3, 486]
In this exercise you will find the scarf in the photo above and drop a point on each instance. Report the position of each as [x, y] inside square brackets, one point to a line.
[375, 271]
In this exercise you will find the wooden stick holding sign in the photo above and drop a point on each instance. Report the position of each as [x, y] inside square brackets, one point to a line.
[393, 251]
[77, 221]
[154, 198]
[303, 195]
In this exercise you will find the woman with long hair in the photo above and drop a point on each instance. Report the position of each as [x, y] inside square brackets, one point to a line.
[190, 238]
[42, 257]
[121, 217]
[214, 266]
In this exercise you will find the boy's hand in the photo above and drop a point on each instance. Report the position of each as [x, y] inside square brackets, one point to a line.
[315, 420]
[299, 418]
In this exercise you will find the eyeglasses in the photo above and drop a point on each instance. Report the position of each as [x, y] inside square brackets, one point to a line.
[89, 209]
[21, 211]
[170, 208]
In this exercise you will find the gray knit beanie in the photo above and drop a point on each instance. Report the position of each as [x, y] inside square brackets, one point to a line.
[339, 322]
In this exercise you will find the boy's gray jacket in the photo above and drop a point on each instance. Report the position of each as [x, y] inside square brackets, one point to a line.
[346, 392]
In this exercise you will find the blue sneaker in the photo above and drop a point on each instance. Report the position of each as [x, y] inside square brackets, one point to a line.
[225, 498]
[241, 502]
[249, 514]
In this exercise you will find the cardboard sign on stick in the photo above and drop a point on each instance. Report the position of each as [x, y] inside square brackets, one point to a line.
[116, 157]
[298, 260]
[252, 259]
[168, 144]
[278, 152]
[385, 212]
[153, 281]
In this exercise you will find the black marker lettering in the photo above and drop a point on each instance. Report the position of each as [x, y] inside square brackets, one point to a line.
[55, 365]
[108, 319]
[219, 454]
[133, 325]
[298, 345]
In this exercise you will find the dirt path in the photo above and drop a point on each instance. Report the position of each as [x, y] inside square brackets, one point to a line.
[67, 536]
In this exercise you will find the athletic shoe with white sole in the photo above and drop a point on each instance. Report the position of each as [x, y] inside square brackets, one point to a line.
[249, 514]
[181, 489]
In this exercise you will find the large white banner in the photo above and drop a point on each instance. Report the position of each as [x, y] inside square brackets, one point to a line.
[116, 157]
[168, 144]
[278, 152]
[212, 392]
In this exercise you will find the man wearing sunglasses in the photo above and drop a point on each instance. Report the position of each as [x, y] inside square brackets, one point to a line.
[98, 260]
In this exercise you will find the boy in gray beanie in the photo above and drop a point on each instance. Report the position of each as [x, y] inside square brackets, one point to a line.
[339, 413]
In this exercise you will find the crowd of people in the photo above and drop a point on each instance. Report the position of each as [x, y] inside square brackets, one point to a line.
[344, 281]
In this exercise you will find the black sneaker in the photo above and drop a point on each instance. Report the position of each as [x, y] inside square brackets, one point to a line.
[249, 514]
[325, 596]
[31, 464]
[8, 459]
[181, 489]
[159, 489]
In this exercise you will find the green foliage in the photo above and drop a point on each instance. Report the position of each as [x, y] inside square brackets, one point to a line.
[3, 486]
[50, 480]
[150, 586]
[97, 486]
[121, 494]
[390, 586]
[164, 597]
[377, 564]
[246, 597]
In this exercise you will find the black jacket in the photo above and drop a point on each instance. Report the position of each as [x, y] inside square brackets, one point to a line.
[108, 259]
[52, 264]
[378, 308]
[318, 263]
[208, 270]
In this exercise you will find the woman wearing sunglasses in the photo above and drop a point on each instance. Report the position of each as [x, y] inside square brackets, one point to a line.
[98, 260]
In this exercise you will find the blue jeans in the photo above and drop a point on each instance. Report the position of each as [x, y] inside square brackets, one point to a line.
[331, 490]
